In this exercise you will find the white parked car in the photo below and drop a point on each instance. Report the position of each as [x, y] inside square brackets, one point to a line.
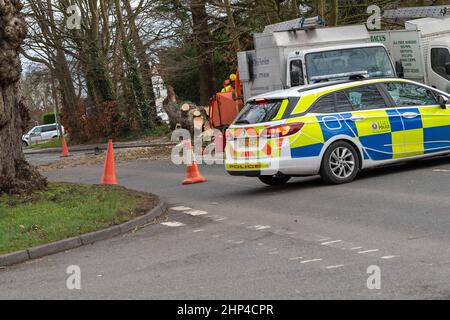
[41, 134]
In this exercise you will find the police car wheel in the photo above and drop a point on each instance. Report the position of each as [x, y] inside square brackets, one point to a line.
[277, 180]
[340, 163]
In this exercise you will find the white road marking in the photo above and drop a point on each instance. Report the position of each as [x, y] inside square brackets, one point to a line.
[291, 233]
[368, 251]
[180, 208]
[331, 242]
[173, 224]
[274, 252]
[335, 267]
[356, 248]
[235, 242]
[196, 212]
[198, 230]
[388, 257]
[259, 227]
[295, 258]
[441, 170]
[308, 261]
[220, 219]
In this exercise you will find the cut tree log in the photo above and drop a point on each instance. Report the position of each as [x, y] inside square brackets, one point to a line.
[187, 116]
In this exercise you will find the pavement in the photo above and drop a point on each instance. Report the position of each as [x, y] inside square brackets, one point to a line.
[234, 238]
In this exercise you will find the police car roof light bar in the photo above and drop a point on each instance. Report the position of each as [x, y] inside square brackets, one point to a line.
[356, 75]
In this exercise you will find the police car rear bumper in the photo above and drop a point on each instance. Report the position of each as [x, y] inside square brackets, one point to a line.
[292, 167]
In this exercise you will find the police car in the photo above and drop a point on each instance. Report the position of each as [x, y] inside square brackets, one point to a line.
[336, 129]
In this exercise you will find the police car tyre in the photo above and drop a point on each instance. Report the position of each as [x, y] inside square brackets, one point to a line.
[340, 163]
[275, 180]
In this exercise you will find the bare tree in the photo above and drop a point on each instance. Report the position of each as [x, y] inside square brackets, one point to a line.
[16, 175]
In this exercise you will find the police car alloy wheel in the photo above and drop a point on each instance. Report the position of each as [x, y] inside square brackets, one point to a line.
[340, 163]
[277, 180]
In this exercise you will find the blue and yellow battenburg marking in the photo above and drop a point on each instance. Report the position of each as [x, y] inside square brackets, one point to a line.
[384, 134]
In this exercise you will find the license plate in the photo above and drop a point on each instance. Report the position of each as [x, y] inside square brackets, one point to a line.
[248, 143]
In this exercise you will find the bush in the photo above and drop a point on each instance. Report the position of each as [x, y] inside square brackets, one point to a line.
[88, 124]
[49, 118]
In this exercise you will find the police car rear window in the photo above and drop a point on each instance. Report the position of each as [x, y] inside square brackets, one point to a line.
[259, 111]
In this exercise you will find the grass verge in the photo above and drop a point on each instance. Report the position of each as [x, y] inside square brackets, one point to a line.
[66, 210]
[54, 143]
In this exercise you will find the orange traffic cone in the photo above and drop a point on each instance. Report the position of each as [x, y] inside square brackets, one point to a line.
[193, 173]
[65, 150]
[109, 170]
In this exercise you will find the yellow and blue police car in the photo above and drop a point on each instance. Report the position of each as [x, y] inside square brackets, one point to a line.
[336, 129]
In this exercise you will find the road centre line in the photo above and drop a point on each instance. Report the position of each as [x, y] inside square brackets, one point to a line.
[335, 267]
[331, 242]
[295, 258]
[308, 261]
[368, 251]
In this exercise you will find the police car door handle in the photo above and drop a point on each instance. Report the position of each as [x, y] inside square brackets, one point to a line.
[357, 118]
[410, 115]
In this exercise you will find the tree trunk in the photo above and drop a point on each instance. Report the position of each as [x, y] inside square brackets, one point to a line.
[204, 51]
[145, 67]
[138, 96]
[16, 175]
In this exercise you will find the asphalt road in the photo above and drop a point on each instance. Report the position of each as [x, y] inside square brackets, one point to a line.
[243, 240]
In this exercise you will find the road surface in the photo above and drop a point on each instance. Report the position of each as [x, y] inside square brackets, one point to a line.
[234, 238]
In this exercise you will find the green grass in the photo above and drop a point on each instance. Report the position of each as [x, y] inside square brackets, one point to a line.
[54, 143]
[65, 210]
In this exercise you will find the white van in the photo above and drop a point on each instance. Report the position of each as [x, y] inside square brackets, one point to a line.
[288, 55]
[423, 48]
[41, 134]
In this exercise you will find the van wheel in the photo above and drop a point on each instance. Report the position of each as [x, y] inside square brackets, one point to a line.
[277, 180]
[24, 144]
[340, 163]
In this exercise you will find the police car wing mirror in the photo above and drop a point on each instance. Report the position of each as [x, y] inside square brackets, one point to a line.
[443, 101]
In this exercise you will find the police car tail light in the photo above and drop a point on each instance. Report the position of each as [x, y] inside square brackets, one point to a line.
[282, 130]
